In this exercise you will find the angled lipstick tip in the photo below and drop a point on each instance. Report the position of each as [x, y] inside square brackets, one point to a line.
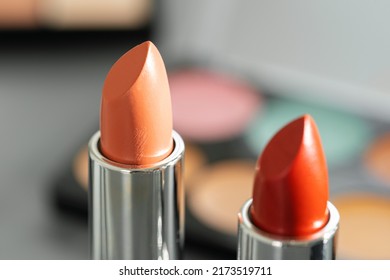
[126, 70]
[136, 114]
[291, 183]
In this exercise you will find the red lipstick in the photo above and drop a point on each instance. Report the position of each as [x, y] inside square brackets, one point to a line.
[290, 199]
[136, 185]
[292, 177]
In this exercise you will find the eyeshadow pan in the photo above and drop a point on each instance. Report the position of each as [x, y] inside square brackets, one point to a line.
[209, 106]
[219, 192]
[364, 226]
[377, 157]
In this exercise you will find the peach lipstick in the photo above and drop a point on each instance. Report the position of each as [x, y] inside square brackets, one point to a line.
[289, 216]
[136, 198]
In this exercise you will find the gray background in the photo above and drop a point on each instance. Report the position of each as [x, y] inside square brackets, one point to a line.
[49, 101]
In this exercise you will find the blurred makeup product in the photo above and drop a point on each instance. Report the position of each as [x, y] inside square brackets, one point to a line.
[18, 14]
[209, 107]
[195, 159]
[213, 199]
[364, 226]
[344, 136]
[80, 168]
[95, 14]
[377, 157]
[289, 215]
[136, 190]
[72, 14]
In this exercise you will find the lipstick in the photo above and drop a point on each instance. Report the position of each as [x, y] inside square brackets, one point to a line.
[136, 196]
[289, 216]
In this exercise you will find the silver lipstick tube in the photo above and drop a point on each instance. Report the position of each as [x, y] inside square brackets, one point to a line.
[255, 244]
[135, 212]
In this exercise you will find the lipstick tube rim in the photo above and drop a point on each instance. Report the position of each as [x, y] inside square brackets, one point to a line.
[325, 233]
[171, 159]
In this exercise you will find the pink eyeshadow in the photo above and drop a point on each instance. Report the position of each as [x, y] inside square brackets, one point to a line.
[209, 106]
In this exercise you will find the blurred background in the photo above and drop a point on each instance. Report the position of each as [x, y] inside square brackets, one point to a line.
[238, 71]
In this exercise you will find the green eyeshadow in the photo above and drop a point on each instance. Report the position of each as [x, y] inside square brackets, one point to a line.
[344, 136]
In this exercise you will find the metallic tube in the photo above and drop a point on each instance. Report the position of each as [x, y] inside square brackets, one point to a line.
[136, 212]
[255, 244]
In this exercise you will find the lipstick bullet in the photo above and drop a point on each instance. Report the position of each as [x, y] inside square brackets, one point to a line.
[289, 215]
